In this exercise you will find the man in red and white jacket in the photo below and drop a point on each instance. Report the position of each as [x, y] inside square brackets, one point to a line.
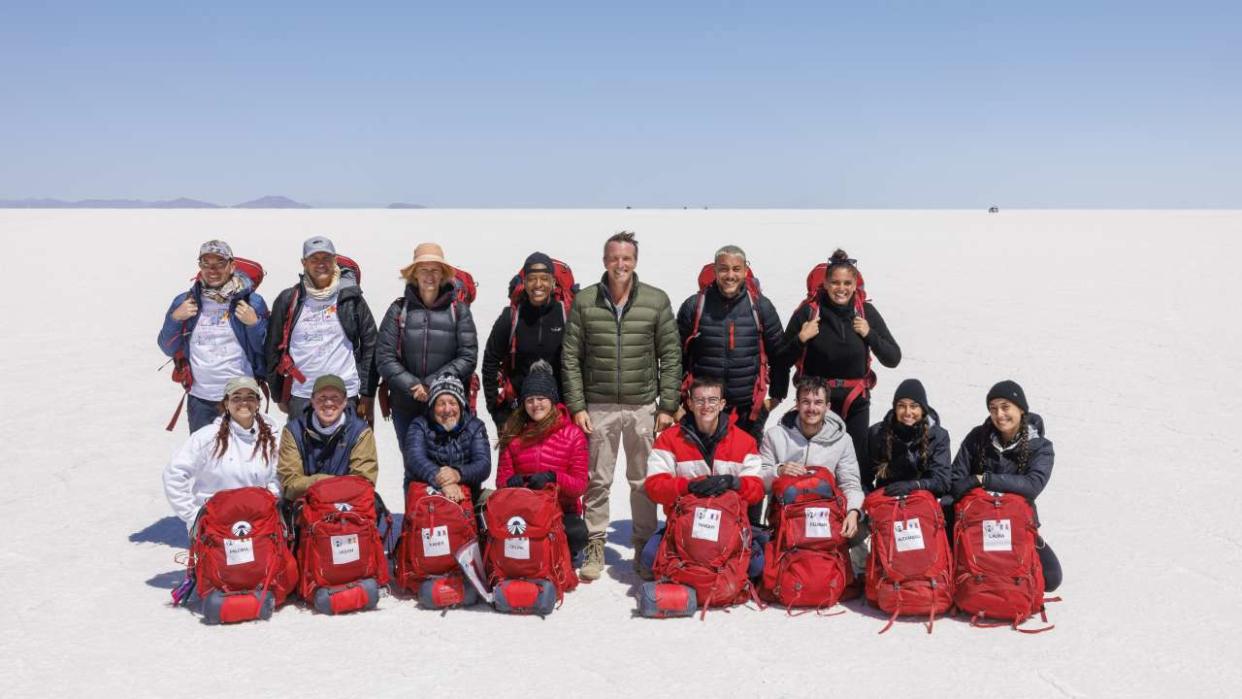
[703, 455]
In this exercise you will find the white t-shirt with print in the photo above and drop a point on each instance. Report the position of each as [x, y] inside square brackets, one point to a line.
[215, 354]
[318, 346]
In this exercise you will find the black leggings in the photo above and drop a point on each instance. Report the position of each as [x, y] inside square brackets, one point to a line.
[575, 533]
[1052, 565]
[857, 424]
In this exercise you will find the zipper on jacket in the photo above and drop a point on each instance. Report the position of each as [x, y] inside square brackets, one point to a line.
[426, 336]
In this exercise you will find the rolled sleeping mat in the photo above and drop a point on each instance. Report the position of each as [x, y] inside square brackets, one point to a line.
[233, 607]
[342, 599]
[444, 591]
[525, 597]
[664, 600]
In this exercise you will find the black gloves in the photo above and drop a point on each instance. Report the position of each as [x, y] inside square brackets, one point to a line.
[712, 486]
[541, 480]
[534, 481]
[903, 488]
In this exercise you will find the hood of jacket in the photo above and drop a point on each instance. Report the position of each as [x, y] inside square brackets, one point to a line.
[831, 432]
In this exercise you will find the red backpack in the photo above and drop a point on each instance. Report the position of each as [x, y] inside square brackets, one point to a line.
[999, 575]
[285, 366]
[814, 282]
[465, 290]
[434, 530]
[706, 546]
[806, 563]
[339, 545]
[563, 294]
[910, 568]
[707, 277]
[240, 556]
[527, 543]
[181, 373]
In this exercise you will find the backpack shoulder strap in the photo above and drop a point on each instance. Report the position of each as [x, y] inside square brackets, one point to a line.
[698, 316]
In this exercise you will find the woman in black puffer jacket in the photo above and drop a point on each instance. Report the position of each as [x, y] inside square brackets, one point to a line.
[425, 333]
[1009, 453]
[908, 450]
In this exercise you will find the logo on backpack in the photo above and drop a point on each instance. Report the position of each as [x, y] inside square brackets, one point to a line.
[343, 506]
[242, 528]
[516, 526]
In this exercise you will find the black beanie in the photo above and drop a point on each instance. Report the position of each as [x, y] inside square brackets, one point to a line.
[913, 390]
[535, 260]
[540, 381]
[1010, 391]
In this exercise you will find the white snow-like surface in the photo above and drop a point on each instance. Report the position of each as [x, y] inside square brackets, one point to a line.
[1121, 326]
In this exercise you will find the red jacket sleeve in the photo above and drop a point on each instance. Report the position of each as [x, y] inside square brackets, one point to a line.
[573, 479]
[751, 489]
[665, 488]
[505, 468]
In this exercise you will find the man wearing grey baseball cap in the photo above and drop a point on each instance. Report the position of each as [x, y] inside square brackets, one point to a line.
[214, 332]
[322, 325]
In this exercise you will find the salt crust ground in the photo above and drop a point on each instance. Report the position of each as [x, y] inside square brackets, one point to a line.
[1122, 326]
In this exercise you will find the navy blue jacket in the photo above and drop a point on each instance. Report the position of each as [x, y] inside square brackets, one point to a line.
[428, 446]
[175, 334]
[326, 454]
[906, 462]
[981, 453]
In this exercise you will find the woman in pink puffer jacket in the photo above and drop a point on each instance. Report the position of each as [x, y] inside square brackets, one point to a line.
[540, 444]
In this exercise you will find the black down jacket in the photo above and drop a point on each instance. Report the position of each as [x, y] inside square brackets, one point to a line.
[436, 339]
[905, 459]
[727, 345]
[1002, 466]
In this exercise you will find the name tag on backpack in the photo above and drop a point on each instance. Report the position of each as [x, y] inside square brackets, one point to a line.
[517, 548]
[706, 524]
[908, 535]
[344, 549]
[238, 551]
[435, 542]
[997, 535]
[817, 526]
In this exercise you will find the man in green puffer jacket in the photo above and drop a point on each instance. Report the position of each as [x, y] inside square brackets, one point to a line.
[622, 375]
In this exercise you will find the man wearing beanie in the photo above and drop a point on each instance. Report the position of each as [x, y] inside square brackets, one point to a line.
[621, 364]
[447, 447]
[214, 332]
[329, 329]
[529, 330]
[326, 439]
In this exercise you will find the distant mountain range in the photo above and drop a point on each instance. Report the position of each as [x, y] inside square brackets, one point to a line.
[267, 202]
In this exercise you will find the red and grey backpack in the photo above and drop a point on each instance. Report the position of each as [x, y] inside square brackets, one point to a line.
[859, 388]
[563, 295]
[706, 546]
[340, 551]
[806, 562]
[181, 373]
[465, 290]
[240, 556]
[434, 531]
[999, 575]
[284, 365]
[707, 277]
[528, 560]
[910, 567]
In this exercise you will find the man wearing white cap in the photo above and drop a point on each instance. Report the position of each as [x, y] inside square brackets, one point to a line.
[321, 325]
[216, 329]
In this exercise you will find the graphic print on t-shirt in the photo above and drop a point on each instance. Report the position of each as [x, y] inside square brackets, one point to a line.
[319, 346]
[215, 354]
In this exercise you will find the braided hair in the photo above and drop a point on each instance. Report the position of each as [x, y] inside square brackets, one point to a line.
[886, 452]
[1021, 439]
[266, 441]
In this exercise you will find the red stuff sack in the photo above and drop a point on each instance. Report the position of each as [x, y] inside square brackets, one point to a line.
[909, 569]
[339, 541]
[665, 600]
[706, 546]
[999, 576]
[526, 539]
[806, 562]
[434, 529]
[240, 556]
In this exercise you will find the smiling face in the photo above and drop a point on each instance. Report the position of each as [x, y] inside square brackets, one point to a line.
[706, 402]
[840, 285]
[429, 276]
[447, 411]
[730, 274]
[216, 270]
[539, 287]
[812, 406]
[908, 412]
[328, 403]
[242, 406]
[1006, 417]
[620, 259]
[320, 268]
[537, 407]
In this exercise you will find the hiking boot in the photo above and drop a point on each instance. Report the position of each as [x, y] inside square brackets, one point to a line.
[594, 566]
[643, 571]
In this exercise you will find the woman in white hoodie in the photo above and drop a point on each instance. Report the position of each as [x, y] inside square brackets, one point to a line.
[237, 450]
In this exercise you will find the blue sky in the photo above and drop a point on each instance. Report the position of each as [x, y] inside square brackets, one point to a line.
[578, 104]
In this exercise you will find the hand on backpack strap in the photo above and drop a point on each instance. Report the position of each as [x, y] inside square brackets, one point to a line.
[541, 480]
[902, 488]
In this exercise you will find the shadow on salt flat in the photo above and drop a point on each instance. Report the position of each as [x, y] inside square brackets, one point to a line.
[168, 531]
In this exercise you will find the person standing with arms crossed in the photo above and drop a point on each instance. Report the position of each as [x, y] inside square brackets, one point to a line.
[622, 373]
